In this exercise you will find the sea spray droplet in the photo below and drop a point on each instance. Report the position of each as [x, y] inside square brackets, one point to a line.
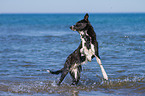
[41, 83]
[54, 84]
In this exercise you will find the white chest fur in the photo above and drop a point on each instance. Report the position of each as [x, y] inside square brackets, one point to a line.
[87, 52]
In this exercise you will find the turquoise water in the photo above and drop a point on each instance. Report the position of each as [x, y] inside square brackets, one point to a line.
[32, 43]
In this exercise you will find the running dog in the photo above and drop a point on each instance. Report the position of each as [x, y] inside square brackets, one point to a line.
[87, 50]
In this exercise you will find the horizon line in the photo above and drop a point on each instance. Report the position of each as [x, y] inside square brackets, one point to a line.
[71, 12]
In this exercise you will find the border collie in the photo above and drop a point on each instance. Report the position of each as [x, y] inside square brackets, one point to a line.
[87, 50]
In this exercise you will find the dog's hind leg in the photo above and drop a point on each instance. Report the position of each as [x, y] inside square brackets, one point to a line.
[75, 74]
[64, 73]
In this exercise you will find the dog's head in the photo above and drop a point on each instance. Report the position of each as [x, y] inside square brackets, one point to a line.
[81, 25]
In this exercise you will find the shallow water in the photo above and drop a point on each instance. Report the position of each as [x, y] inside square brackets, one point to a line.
[32, 43]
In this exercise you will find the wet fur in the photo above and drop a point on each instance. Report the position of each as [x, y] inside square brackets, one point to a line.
[87, 50]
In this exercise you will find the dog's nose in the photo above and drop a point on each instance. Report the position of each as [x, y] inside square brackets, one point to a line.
[71, 27]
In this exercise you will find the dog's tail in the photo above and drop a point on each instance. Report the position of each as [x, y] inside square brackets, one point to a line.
[55, 72]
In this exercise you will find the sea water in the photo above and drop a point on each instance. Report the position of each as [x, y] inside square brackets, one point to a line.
[32, 43]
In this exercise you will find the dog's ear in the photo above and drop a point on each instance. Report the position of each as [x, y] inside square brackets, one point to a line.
[86, 16]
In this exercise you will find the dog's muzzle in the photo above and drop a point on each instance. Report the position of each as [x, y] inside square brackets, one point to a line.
[72, 28]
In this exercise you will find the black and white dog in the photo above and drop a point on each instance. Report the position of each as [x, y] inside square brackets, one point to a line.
[87, 50]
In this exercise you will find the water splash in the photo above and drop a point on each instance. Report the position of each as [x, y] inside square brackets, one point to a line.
[87, 85]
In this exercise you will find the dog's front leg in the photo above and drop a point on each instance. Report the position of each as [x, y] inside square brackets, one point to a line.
[102, 68]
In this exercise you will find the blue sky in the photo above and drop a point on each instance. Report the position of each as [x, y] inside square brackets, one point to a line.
[71, 6]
